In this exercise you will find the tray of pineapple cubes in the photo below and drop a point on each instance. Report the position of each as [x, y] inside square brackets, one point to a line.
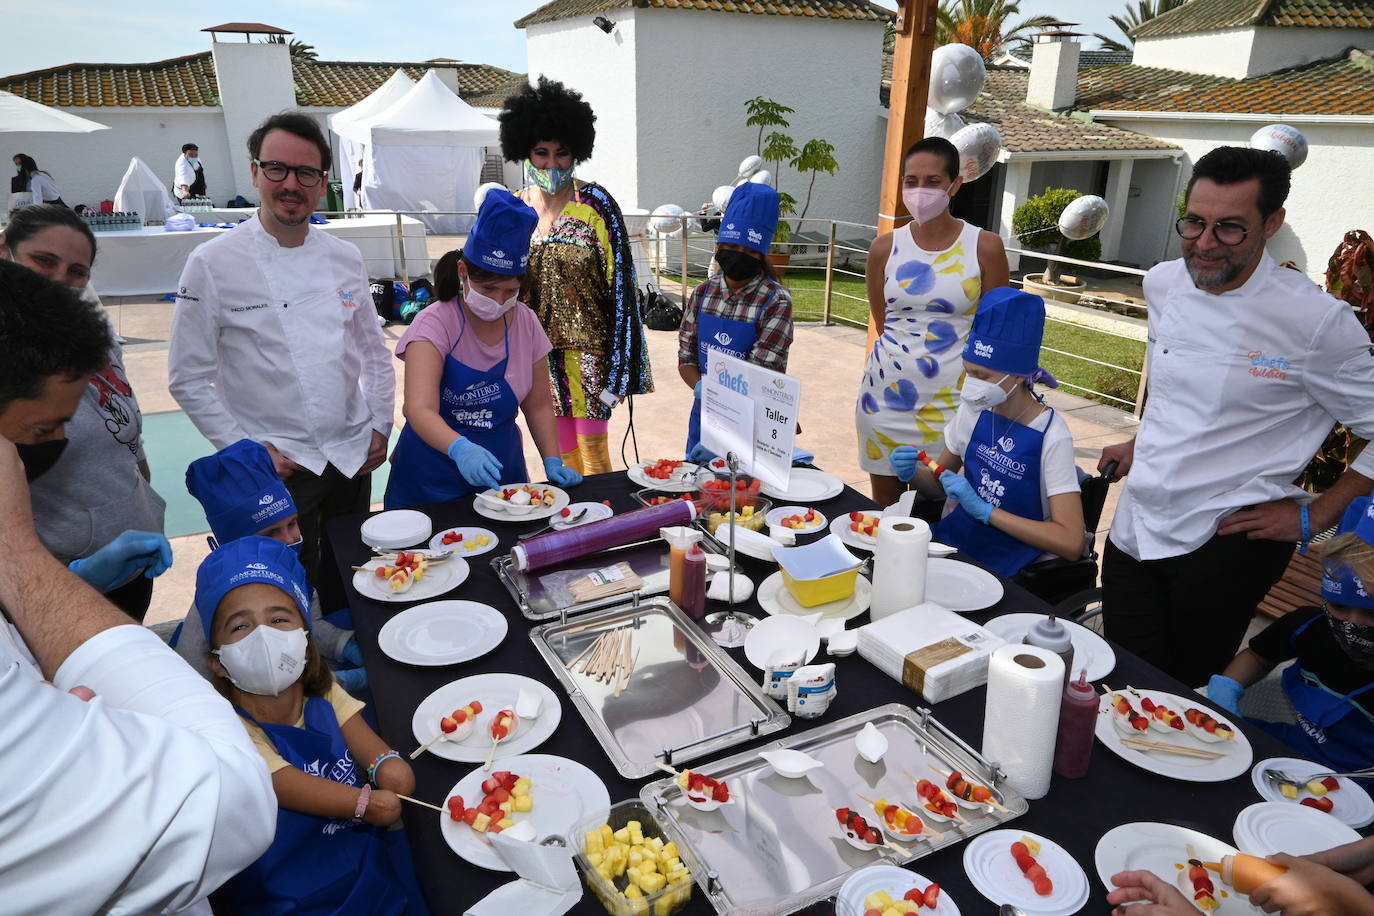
[632, 864]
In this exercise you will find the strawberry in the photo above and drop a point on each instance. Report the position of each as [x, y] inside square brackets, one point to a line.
[981, 793]
[1044, 886]
[470, 815]
[565, 512]
[915, 896]
[476, 707]
[856, 516]
[448, 725]
[931, 898]
[1147, 704]
[489, 786]
[1321, 804]
[500, 794]
[1019, 851]
[720, 793]
[842, 815]
[455, 803]
[872, 837]
[1331, 783]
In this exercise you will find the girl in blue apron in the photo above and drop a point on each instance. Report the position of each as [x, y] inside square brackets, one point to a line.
[1018, 497]
[474, 361]
[1331, 682]
[743, 311]
[336, 782]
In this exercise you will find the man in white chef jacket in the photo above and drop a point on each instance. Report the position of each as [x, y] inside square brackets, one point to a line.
[275, 338]
[130, 784]
[1250, 365]
[189, 173]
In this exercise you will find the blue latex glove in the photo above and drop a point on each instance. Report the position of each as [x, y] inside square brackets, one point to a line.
[903, 460]
[352, 680]
[1225, 692]
[478, 466]
[957, 487]
[696, 390]
[559, 474]
[123, 558]
[700, 454]
[352, 654]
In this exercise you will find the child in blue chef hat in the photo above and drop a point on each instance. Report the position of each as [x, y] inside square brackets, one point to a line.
[1331, 681]
[1018, 498]
[336, 781]
[242, 495]
[743, 310]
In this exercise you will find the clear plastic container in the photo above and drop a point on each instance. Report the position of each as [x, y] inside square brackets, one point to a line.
[611, 891]
[751, 514]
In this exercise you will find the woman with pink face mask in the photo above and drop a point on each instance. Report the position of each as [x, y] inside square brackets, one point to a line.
[924, 283]
[474, 360]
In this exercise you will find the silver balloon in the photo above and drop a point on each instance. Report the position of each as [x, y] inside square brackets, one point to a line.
[481, 193]
[1288, 142]
[664, 220]
[721, 196]
[1084, 217]
[762, 176]
[956, 77]
[942, 125]
[750, 165]
[979, 146]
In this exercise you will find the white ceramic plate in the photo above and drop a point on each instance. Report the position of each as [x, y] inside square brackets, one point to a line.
[687, 478]
[840, 528]
[896, 881]
[442, 633]
[1265, 828]
[961, 586]
[993, 872]
[1176, 766]
[396, 529]
[1160, 849]
[807, 485]
[487, 505]
[774, 598]
[595, 512]
[775, 516]
[469, 534]
[774, 635]
[1353, 804]
[495, 692]
[564, 792]
[439, 579]
[1088, 648]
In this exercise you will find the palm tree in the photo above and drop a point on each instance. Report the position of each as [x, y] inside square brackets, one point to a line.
[1142, 11]
[301, 50]
[984, 25]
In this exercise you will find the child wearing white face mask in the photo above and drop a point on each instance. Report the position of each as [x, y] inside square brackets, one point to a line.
[331, 853]
[1018, 497]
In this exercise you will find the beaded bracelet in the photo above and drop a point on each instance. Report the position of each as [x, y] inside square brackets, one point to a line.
[372, 770]
[361, 809]
[1306, 528]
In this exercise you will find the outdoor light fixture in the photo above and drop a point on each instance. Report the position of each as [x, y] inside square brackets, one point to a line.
[604, 24]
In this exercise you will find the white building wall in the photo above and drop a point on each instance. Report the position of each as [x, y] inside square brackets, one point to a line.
[1240, 53]
[88, 167]
[1331, 193]
[1147, 226]
[255, 82]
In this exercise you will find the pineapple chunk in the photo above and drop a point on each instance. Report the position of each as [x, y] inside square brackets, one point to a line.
[669, 850]
[524, 803]
[651, 883]
[1288, 791]
[636, 857]
[892, 911]
[606, 833]
[480, 823]
[633, 892]
[1032, 846]
[506, 823]
[593, 843]
[521, 787]
[1316, 787]
[873, 902]
[623, 836]
[595, 858]
[507, 806]
[884, 900]
[655, 844]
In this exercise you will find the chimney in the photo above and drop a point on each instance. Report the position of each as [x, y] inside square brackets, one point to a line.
[1053, 79]
[255, 81]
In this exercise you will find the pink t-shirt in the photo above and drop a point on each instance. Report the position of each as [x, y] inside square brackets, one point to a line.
[443, 323]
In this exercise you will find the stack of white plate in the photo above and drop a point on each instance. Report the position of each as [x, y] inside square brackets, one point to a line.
[396, 529]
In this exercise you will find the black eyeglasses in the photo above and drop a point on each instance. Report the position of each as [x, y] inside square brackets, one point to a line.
[1227, 233]
[306, 176]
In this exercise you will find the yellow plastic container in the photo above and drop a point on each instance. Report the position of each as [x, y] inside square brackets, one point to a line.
[811, 592]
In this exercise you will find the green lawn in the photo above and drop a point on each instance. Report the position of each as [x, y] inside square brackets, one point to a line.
[807, 286]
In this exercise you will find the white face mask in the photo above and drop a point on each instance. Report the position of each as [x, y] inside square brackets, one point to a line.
[983, 395]
[924, 204]
[266, 661]
[485, 307]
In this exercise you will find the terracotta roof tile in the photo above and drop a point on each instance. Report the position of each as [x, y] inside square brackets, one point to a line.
[832, 9]
[341, 83]
[1210, 15]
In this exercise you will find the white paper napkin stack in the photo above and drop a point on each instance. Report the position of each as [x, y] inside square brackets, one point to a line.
[548, 885]
[932, 650]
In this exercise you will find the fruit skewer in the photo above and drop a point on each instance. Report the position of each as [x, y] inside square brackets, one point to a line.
[926, 829]
[503, 725]
[973, 790]
[936, 467]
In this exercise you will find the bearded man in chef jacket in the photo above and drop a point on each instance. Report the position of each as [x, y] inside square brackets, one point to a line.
[275, 339]
[1250, 364]
[131, 786]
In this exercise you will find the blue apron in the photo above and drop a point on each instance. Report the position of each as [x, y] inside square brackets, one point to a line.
[480, 405]
[716, 333]
[1332, 729]
[320, 865]
[1004, 470]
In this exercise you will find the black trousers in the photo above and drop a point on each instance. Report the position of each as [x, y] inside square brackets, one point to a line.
[318, 498]
[1188, 614]
[133, 597]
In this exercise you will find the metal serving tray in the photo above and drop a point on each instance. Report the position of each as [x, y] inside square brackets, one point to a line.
[779, 847]
[685, 700]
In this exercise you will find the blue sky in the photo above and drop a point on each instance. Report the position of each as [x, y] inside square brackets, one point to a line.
[135, 31]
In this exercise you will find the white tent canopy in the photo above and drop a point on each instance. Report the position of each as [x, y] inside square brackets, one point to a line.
[349, 150]
[142, 192]
[19, 115]
[424, 152]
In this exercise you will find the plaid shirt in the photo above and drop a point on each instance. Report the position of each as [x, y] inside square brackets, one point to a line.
[761, 301]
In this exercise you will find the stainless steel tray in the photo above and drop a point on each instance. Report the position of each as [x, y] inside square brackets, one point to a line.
[686, 698]
[778, 847]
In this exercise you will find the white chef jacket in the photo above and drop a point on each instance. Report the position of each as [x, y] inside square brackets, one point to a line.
[43, 188]
[143, 800]
[282, 345]
[185, 175]
[1244, 387]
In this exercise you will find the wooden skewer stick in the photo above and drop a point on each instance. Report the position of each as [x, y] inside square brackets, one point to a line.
[1145, 744]
[428, 744]
[572, 664]
[629, 673]
[424, 804]
[491, 754]
[666, 768]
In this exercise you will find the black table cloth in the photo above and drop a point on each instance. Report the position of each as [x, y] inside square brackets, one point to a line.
[1075, 813]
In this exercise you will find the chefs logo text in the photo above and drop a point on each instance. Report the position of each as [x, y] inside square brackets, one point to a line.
[1262, 366]
[736, 383]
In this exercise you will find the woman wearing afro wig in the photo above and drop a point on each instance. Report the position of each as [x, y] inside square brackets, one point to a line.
[581, 280]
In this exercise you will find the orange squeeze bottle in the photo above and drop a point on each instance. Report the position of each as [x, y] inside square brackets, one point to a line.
[1245, 873]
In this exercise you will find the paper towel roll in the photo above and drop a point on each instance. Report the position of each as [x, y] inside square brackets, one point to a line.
[1025, 685]
[899, 565]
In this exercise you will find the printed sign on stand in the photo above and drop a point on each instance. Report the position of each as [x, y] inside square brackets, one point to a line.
[752, 412]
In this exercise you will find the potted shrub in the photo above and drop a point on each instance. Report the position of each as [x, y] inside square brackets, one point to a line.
[1036, 224]
[778, 149]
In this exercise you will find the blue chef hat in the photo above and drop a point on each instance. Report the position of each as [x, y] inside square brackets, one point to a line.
[1339, 584]
[500, 239]
[751, 217]
[239, 490]
[248, 560]
[1006, 334]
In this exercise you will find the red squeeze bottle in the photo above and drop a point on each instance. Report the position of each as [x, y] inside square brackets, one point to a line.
[694, 583]
[1073, 747]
